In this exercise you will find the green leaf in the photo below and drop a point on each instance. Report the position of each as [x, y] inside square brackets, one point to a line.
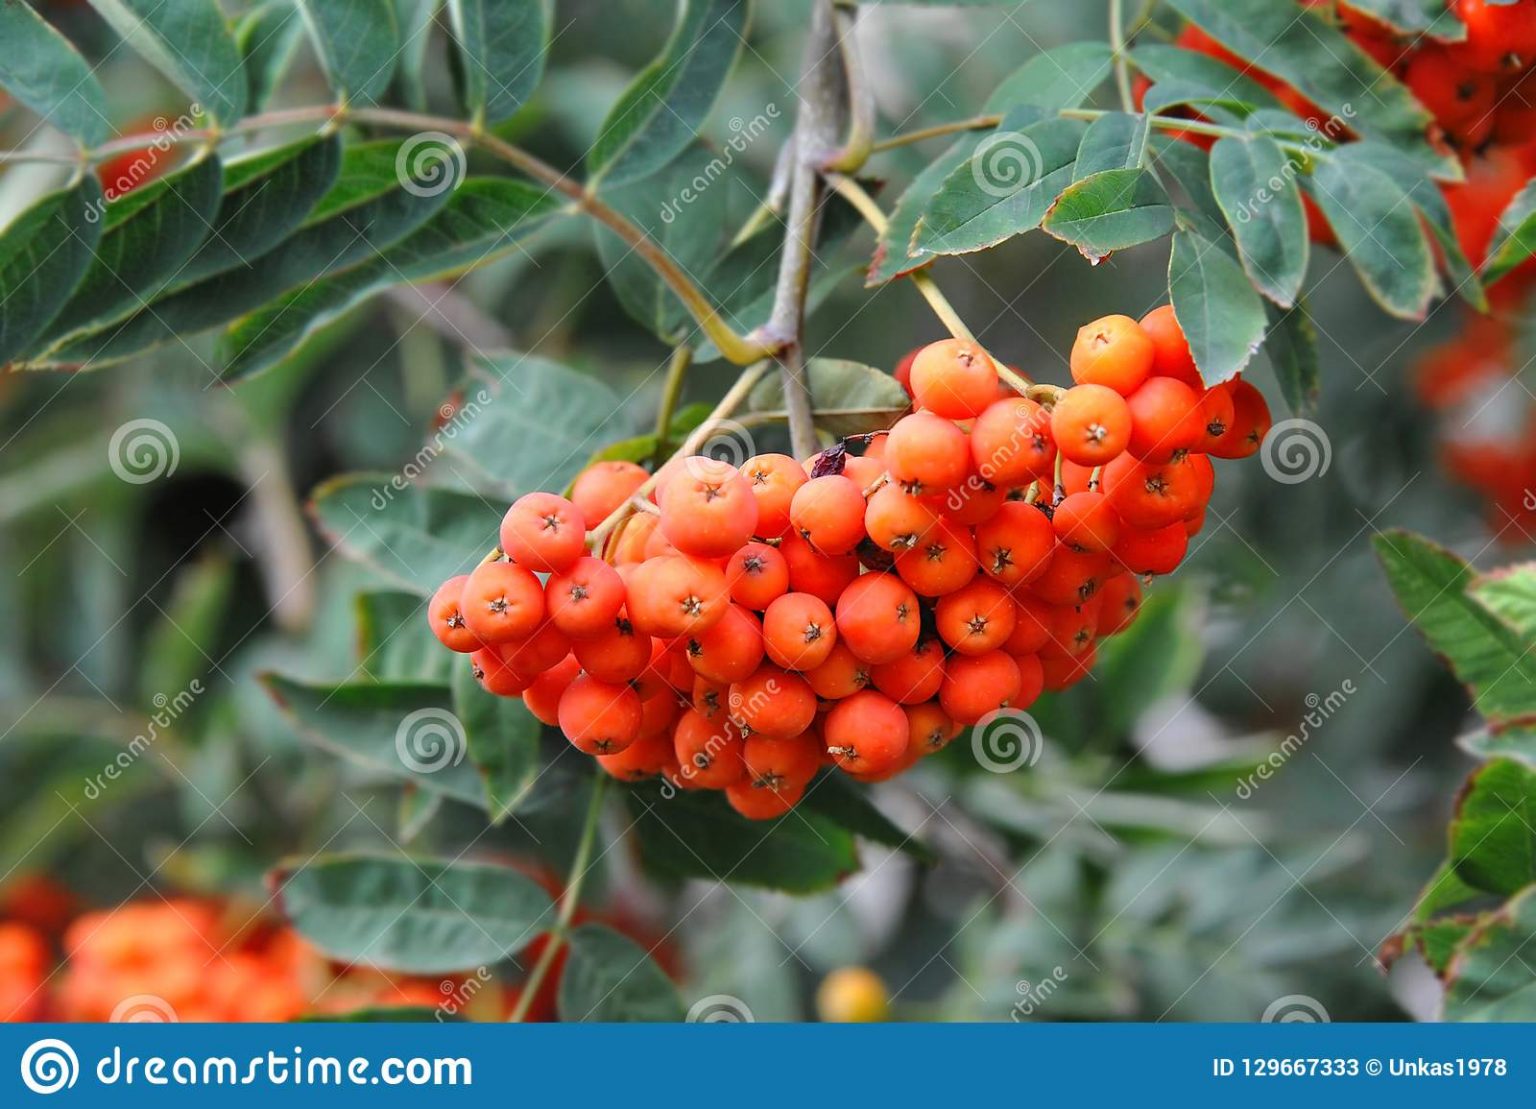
[836, 797]
[535, 426]
[1055, 79]
[358, 42]
[44, 252]
[1291, 345]
[1486, 653]
[416, 536]
[266, 37]
[43, 70]
[503, 741]
[1188, 167]
[485, 219]
[426, 916]
[1113, 141]
[1156, 657]
[403, 730]
[689, 222]
[190, 44]
[364, 213]
[892, 257]
[1510, 594]
[1004, 189]
[415, 19]
[1215, 305]
[1379, 231]
[696, 835]
[1507, 740]
[1308, 52]
[185, 636]
[1412, 17]
[1429, 197]
[394, 643]
[1109, 211]
[609, 977]
[1489, 977]
[139, 254]
[1201, 75]
[1255, 184]
[501, 45]
[1493, 832]
[1515, 240]
[849, 398]
[658, 115]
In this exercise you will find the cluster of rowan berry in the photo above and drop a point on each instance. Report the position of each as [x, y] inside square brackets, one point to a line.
[751, 624]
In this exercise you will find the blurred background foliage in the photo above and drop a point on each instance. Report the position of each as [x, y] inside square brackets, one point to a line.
[1127, 867]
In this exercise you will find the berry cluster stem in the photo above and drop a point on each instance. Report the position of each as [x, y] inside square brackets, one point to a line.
[580, 865]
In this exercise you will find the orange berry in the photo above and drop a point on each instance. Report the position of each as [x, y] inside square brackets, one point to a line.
[914, 677]
[1149, 496]
[1072, 577]
[896, 521]
[773, 479]
[1091, 423]
[1120, 602]
[632, 537]
[1170, 349]
[1073, 628]
[810, 571]
[730, 650]
[543, 695]
[1015, 545]
[976, 618]
[926, 453]
[1114, 352]
[617, 654]
[866, 733]
[762, 804]
[953, 378]
[1086, 522]
[828, 512]
[708, 698]
[708, 751]
[603, 486]
[677, 595]
[495, 676]
[445, 615]
[974, 502]
[1250, 423]
[975, 685]
[1215, 417]
[544, 532]
[772, 702]
[502, 602]
[841, 674]
[798, 631]
[878, 617]
[929, 729]
[1057, 674]
[780, 762]
[1031, 625]
[599, 718]
[757, 573]
[585, 598]
[1032, 677]
[1165, 417]
[536, 653]
[1153, 551]
[707, 508]
[647, 757]
[903, 371]
[1011, 442]
[941, 563]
